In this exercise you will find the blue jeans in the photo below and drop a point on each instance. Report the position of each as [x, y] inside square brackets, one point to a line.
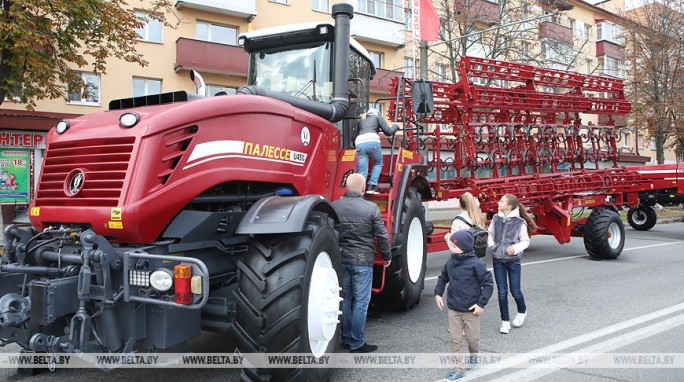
[503, 274]
[363, 151]
[356, 285]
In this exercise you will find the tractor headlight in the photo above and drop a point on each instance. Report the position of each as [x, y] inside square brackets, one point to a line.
[129, 120]
[62, 126]
[161, 279]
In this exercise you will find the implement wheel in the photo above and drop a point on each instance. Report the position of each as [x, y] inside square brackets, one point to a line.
[642, 218]
[404, 278]
[604, 234]
[288, 298]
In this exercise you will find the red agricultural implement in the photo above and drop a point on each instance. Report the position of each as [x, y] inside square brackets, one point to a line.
[521, 133]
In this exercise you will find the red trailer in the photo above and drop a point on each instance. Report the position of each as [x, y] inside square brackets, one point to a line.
[521, 133]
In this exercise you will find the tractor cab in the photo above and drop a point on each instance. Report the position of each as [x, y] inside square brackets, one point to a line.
[313, 68]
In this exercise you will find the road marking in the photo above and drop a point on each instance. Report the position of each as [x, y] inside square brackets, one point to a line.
[575, 257]
[538, 371]
[575, 341]
[651, 246]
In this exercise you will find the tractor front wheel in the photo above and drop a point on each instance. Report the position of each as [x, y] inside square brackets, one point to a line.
[288, 298]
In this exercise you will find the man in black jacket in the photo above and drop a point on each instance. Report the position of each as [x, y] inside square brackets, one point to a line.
[360, 224]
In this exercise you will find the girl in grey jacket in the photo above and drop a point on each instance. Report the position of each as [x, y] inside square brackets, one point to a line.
[509, 236]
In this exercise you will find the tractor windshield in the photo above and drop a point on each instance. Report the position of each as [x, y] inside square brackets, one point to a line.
[303, 71]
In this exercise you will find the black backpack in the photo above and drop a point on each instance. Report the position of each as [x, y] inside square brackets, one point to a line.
[480, 237]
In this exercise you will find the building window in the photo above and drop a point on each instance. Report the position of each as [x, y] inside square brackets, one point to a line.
[441, 73]
[221, 34]
[14, 96]
[640, 141]
[589, 66]
[584, 32]
[609, 32]
[612, 67]
[626, 138]
[377, 59]
[390, 9]
[211, 90]
[557, 55]
[151, 31]
[571, 24]
[89, 93]
[320, 5]
[409, 68]
[146, 86]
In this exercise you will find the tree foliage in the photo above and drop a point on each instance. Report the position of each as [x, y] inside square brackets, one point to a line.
[655, 55]
[43, 43]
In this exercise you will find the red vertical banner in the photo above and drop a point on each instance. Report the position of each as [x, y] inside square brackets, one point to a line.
[425, 20]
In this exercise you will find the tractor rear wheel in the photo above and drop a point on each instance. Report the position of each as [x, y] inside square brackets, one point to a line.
[288, 298]
[604, 234]
[404, 278]
[642, 218]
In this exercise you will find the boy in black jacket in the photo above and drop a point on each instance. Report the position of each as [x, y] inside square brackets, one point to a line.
[470, 287]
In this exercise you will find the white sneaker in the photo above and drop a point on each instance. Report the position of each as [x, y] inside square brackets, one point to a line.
[505, 327]
[519, 319]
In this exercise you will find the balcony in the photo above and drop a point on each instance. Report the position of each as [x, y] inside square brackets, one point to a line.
[244, 9]
[378, 30]
[610, 49]
[382, 82]
[210, 57]
[479, 10]
[555, 31]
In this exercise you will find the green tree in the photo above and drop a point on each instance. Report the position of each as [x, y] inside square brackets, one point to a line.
[44, 42]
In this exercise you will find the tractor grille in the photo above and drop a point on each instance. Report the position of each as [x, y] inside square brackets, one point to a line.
[104, 162]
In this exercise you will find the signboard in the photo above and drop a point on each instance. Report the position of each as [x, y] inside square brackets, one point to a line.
[21, 138]
[14, 176]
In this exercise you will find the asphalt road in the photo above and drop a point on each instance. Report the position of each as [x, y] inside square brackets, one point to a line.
[634, 304]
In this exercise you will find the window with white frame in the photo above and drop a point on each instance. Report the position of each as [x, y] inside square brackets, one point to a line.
[589, 65]
[151, 30]
[14, 96]
[377, 58]
[612, 67]
[584, 31]
[626, 138]
[221, 34]
[653, 143]
[609, 32]
[571, 24]
[320, 5]
[409, 68]
[640, 140]
[557, 53]
[441, 73]
[89, 94]
[390, 9]
[146, 86]
[211, 90]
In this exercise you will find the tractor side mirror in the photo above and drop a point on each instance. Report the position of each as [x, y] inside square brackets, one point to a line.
[422, 99]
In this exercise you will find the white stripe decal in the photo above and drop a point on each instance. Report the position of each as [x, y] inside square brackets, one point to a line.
[216, 147]
[243, 157]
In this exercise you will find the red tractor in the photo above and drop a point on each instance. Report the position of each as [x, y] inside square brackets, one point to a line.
[175, 211]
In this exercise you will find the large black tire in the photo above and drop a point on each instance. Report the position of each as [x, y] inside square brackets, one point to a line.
[404, 278]
[642, 218]
[604, 234]
[288, 298]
